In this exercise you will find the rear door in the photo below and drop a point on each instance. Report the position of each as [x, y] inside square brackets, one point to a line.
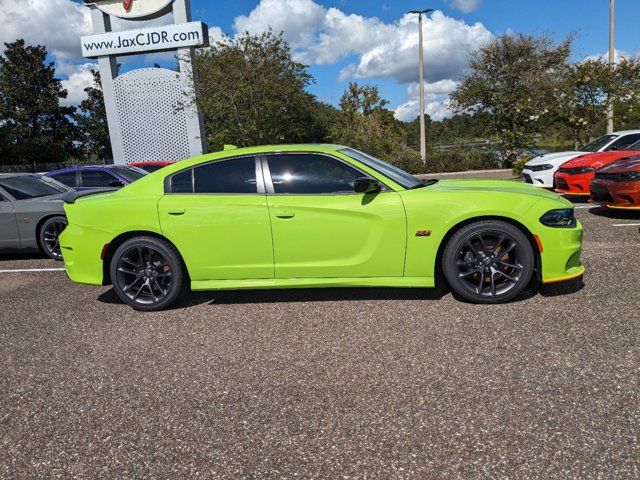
[216, 214]
[9, 236]
[323, 228]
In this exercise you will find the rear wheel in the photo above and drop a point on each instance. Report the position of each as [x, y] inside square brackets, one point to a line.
[488, 262]
[49, 233]
[147, 273]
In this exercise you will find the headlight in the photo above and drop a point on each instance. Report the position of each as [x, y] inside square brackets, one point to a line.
[564, 218]
[635, 175]
[585, 169]
[538, 168]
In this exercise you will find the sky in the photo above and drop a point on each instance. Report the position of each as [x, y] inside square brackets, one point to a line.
[372, 42]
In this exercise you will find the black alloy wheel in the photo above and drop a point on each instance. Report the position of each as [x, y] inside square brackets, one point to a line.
[147, 273]
[49, 236]
[489, 262]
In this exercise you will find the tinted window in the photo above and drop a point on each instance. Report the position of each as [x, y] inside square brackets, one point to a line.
[182, 182]
[96, 178]
[67, 178]
[2, 199]
[228, 176]
[151, 168]
[394, 173]
[130, 174]
[24, 187]
[598, 143]
[305, 173]
[624, 142]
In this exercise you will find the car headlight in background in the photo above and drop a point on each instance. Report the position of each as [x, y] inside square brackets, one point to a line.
[538, 168]
[635, 175]
[563, 218]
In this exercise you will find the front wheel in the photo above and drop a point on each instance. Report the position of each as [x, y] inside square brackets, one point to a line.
[147, 273]
[49, 233]
[488, 262]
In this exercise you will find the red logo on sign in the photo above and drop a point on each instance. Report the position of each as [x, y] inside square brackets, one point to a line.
[127, 4]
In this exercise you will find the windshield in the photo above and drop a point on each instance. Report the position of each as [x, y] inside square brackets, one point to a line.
[399, 176]
[130, 174]
[598, 144]
[24, 187]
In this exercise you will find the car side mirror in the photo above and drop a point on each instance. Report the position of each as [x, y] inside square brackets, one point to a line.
[366, 185]
[116, 183]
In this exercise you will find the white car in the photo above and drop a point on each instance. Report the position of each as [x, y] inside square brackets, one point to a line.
[539, 171]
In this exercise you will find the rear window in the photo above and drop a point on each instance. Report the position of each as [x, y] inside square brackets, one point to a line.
[66, 178]
[25, 187]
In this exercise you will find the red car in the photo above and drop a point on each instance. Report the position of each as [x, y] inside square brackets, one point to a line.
[150, 166]
[574, 177]
[618, 184]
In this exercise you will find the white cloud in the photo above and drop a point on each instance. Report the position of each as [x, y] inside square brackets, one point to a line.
[58, 24]
[466, 5]
[436, 99]
[384, 50]
[79, 77]
[617, 55]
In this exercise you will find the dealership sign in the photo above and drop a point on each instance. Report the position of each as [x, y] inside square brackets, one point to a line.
[131, 8]
[166, 37]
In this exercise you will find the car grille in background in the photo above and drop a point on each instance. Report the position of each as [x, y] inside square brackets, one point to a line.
[561, 183]
[601, 194]
[527, 178]
[615, 177]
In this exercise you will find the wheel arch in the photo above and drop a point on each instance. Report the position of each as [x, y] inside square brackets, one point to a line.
[123, 237]
[438, 271]
[41, 222]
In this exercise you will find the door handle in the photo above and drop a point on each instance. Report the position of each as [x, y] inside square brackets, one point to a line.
[176, 212]
[285, 214]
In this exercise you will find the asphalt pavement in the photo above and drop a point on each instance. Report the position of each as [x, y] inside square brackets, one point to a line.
[340, 383]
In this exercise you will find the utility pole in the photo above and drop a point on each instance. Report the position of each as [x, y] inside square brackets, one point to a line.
[612, 58]
[423, 133]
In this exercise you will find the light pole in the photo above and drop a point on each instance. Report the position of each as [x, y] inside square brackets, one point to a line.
[612, 58]
[423, 134]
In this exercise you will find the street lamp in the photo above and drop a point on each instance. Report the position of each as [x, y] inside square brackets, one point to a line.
[423, 139]
[612, 58]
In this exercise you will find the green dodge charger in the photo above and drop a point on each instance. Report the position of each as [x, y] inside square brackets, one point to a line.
[289, 216]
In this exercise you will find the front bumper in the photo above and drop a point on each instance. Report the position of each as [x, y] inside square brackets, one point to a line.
[572, 184]
[616, 194]
[81, 250]
[561, 250]
[543, 178]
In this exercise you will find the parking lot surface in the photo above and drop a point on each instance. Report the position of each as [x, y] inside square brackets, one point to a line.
[326, 383]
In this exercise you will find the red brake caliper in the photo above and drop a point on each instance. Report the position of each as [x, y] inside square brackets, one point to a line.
[127, 4]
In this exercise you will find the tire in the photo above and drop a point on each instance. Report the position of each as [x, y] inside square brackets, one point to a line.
[488, 262]
[148, 274]
[48, 235]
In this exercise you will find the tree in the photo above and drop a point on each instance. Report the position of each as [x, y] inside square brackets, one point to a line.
[513, 79]
[36, 127]
[92, 122]
[252, 92]
[365, 123]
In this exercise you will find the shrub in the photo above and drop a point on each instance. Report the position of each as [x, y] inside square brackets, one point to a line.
[456, 160]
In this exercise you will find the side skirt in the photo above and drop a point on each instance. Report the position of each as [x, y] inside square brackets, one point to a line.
[397, 282]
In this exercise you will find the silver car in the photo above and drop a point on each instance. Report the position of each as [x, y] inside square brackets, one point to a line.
[31, 213]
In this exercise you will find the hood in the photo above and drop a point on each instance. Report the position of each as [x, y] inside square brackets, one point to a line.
[630, 164]
[555, 159]
[497, 186]
[598, 159]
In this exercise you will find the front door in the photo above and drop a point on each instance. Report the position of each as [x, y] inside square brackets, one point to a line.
[9, 236]
[322, 228]
[219, 221]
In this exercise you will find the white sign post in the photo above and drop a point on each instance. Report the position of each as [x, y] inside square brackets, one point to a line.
[151, 112]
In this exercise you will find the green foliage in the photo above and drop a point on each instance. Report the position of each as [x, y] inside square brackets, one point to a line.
[513, 79]
[253, 93]
[34, 126]
[364, 122]
[92, 122]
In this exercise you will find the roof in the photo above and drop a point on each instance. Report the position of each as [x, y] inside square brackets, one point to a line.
[626, 132]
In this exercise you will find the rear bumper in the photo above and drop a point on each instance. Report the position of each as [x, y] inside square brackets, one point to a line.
[81, 249]
[560, 258]
[572, 184]
[616, 194]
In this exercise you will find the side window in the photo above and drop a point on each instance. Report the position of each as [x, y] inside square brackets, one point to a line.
[96, 178]
[67, 178]
[2, 199]
[182, 182]
[226, 176]
[624, 142]
[307, 173]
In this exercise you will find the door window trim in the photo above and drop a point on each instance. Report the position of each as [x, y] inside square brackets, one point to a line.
[260, 188]
[269, 181]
